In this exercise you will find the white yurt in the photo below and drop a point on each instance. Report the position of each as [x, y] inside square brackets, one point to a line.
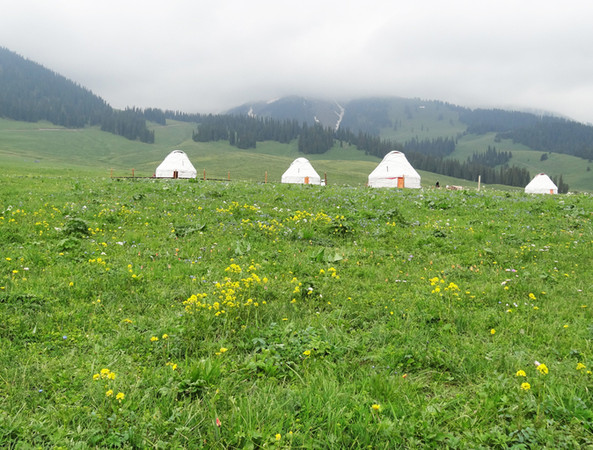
[541, 184]
[176, 165]
[301, 172]
[394, 172]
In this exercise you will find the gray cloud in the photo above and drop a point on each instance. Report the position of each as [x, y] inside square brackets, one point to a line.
[204, 56]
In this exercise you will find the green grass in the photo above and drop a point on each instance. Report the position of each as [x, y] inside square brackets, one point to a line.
[573, 169]
[45, 147]
[249, 315]
[417, 119]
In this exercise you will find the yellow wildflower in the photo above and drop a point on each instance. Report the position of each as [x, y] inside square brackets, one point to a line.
[278, 436]
[109, 393]
[307, 352]
[543, 369]
[154, 339]
[531, 296]
[521, 373]
[120, 396]
[492, 331]
[525, 386]
[376, 407]
[580, 366]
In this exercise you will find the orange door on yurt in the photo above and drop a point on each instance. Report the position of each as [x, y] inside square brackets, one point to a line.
[400, 182]
[306, 180]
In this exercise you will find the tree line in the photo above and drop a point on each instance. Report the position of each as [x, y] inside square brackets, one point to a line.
[29, 92]
[491, 157]
[555, 135]
[560, 184]
[469, 170]
[244, 131]
[436, 147]
[429, 155]
[128, 123]
[543, 133]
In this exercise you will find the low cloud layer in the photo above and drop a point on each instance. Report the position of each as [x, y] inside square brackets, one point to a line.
[198, 56]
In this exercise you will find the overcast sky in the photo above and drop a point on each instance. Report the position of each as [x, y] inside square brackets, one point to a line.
[207, 56]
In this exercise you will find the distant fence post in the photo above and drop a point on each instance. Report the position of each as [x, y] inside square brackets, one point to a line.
[325, 176]
[133, 173]
[229, 176]
[204, 174]
[266, 178]
[479, 181]
[111, 173]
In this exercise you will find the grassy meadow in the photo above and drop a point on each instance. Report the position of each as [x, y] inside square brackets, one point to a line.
[42, 147]
[414, 118]
[202, 314]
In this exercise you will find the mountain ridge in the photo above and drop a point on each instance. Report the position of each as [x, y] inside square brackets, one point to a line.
[412, 119]
[308, 113]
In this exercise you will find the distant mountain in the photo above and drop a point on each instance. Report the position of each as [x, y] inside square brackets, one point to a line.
[366, 114]
[311, 111]
[419, 122]
[29, 92]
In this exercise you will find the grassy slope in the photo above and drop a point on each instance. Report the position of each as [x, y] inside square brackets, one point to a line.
[389, 318]
[42, 146]
[34, 146]
[426, 120]
[430, 120]
[573, 169]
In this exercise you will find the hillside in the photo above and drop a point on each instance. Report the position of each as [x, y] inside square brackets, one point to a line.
[437, 137]
[30, 92]
[455, 132]
[403, 119]
[43, 148]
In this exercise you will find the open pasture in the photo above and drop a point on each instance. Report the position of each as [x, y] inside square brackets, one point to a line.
[175, 313]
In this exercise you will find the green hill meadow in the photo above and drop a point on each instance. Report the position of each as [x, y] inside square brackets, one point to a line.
[61, 121]
[209, 314]
[41, 146]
